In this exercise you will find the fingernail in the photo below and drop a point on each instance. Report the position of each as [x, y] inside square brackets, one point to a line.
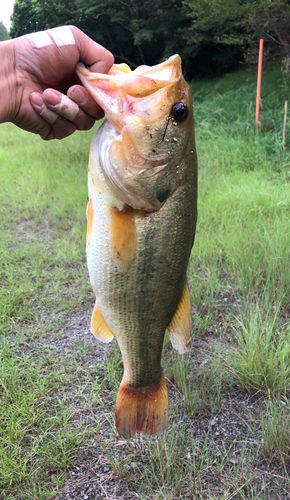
[51, 97]
[77, 94]
[36, 100]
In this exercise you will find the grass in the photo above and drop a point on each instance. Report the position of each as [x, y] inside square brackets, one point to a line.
[34, 437]
[261, 359]
[228, 434]
[276, 433]
[200, 387]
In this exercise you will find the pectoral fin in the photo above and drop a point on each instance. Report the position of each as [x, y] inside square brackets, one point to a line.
[99, 326]
[123, 238]
[179, 328]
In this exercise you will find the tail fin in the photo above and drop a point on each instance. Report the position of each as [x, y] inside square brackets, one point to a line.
[143, 409]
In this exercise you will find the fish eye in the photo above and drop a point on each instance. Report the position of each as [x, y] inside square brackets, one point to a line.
[179, 112]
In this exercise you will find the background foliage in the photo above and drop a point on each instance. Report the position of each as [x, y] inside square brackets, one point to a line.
[3, 32]
[211, 37]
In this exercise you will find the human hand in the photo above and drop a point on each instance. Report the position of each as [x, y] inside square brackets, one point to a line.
[45, 67]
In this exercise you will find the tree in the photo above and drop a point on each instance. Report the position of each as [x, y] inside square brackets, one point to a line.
[3, 32]
[271, 20]
[36, 15]
[219, 21]
[136, 31]
[139, 31]
[241, 22]
[127, 27]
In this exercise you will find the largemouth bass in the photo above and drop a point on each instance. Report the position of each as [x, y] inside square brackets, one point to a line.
[141, 219]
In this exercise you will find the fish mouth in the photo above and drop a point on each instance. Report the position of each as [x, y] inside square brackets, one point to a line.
[123, 90]
[139, 162]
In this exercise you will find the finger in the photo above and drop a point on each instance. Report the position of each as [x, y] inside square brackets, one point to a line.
[59, 127]
[67, 108]
[80, 95]
[99, 59]
[41, 109]
[60, 104]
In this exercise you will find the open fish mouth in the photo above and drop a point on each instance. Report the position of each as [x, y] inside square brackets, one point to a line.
[146, 140]
[142, 82]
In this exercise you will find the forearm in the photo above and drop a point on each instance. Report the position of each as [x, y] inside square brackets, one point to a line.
[8, 81]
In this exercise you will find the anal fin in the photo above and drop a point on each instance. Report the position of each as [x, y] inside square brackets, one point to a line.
[99, 327]
[179, 328]
[143, 409]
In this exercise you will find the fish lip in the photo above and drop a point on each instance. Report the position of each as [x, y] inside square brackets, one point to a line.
[131, 171]
[118, 93]
[173, 63]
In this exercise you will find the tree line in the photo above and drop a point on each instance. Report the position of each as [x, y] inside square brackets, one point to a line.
[211, 36]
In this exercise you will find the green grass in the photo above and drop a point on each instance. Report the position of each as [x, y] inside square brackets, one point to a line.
[244, 193]
[276, 433]
[261, 359]
[43, 199]
[200, 387]
[35, 439]
[58, 386]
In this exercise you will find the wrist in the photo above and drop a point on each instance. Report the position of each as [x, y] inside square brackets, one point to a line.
[8, 82]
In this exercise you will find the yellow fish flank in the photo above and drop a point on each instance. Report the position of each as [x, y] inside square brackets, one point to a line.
[141, 218]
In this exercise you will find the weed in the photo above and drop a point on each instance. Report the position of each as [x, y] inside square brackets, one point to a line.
[260, 361]
[199, 387]
[276, 432]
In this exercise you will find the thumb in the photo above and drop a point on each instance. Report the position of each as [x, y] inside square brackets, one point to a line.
[95, 56]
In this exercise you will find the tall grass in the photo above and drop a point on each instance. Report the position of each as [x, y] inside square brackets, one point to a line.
[261, 359]
[276, 433]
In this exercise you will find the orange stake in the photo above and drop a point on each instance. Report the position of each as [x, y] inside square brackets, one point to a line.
[259, 82]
